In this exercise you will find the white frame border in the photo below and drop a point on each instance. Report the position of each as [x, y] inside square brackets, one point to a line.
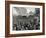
[27, 31]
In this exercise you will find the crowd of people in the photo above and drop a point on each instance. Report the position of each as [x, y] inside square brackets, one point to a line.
[29, 25]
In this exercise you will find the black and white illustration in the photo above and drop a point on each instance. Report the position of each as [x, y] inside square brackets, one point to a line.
[26, 18]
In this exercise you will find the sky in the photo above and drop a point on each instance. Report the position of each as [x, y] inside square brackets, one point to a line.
[23, 10]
